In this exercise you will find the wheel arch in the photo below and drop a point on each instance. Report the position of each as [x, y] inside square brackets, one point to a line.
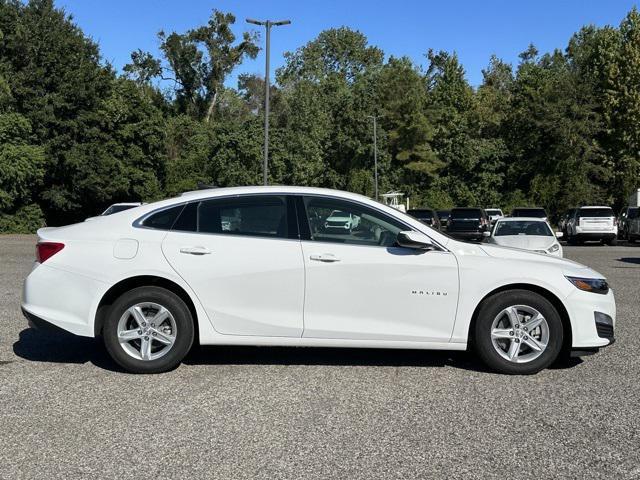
[130, 283]
[554, 299]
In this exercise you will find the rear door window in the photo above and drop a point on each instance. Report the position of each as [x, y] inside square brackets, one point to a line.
[259, 215]
[250, 215]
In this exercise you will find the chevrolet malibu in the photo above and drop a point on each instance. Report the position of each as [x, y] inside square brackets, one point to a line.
[257, 266]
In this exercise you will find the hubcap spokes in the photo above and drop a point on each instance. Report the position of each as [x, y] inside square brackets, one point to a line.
[520, 333]
[147, 331]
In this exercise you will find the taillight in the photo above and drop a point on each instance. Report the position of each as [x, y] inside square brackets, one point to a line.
[46, 250]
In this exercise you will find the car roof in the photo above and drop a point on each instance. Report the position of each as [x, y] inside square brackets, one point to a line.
[522, 219]
[125, 204]
[594, 206]
[275, 189]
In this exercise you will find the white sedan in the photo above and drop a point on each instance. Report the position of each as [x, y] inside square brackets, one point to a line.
[527, 234]
[153, 280]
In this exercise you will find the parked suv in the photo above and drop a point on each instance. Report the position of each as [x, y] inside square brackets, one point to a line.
[593, 224]
[533, 212]
[468, 223]
[626, 217]
[426, 216]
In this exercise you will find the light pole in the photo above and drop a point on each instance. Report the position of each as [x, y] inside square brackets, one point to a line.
[267, 24]
[375, 152]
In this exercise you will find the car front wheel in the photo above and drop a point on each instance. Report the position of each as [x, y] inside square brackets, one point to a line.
[518, 332]
[148, 330]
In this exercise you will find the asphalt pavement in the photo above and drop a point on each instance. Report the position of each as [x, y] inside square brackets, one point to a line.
[67, 412]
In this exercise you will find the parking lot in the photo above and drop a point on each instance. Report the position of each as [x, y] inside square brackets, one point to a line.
[66, 411]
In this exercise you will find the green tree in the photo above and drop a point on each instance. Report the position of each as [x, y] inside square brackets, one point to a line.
[198, 62]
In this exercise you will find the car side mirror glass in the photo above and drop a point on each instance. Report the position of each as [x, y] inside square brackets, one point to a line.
[559, 234]
[415, 240]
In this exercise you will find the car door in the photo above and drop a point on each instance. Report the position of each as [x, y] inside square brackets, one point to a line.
[360, 285]
[242, 257]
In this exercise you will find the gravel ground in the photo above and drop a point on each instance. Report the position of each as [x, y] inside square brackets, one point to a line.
[67, 412]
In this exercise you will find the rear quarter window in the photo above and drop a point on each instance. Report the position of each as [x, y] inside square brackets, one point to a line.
[163, 219]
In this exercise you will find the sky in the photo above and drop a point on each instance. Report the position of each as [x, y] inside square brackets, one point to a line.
[473, 29]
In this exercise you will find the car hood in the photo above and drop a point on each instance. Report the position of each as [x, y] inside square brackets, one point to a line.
[568, 267]
[527, 242]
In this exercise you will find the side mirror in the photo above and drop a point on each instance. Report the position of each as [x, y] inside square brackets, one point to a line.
[486, 233]
[418, 241]
[559, 234]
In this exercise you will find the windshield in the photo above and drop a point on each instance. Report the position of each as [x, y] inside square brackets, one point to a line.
[117, 208]
[633, 213]
[443, 213]
[529, 212]
[466, 214]
[524, 227]
[596, 212]
[493, 211]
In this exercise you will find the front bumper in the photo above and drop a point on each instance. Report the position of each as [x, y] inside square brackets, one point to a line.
[586, 234]
[582, 307]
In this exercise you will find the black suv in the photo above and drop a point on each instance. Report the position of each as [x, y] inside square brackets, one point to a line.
[468, 223]
[426, 216]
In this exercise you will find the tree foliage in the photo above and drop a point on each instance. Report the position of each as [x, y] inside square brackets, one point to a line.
[557, 129]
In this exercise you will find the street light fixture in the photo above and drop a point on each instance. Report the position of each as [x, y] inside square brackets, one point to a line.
[267, 24]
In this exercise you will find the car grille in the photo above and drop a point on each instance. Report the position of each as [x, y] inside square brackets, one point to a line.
[604, 330]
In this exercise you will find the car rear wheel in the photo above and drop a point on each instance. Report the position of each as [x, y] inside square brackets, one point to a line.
[148, 330]
[518, 332]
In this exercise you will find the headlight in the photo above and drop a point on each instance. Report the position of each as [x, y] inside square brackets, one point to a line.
[593, 285]
[554, 248]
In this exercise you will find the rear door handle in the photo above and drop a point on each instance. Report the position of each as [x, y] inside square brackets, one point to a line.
[195, 250]
[324, 257]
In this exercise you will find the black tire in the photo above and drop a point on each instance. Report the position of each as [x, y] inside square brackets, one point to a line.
[612, 242]
[490, 309]
[183, 337]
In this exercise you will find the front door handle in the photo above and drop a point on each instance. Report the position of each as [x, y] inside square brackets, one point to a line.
[195, 250]
[324, 257]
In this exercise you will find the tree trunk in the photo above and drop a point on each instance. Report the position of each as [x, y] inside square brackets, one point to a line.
[212, 105]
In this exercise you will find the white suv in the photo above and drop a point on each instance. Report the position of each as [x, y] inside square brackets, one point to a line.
[592, 223]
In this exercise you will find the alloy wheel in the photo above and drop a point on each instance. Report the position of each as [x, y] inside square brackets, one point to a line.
[520, 334]
[147, 331]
